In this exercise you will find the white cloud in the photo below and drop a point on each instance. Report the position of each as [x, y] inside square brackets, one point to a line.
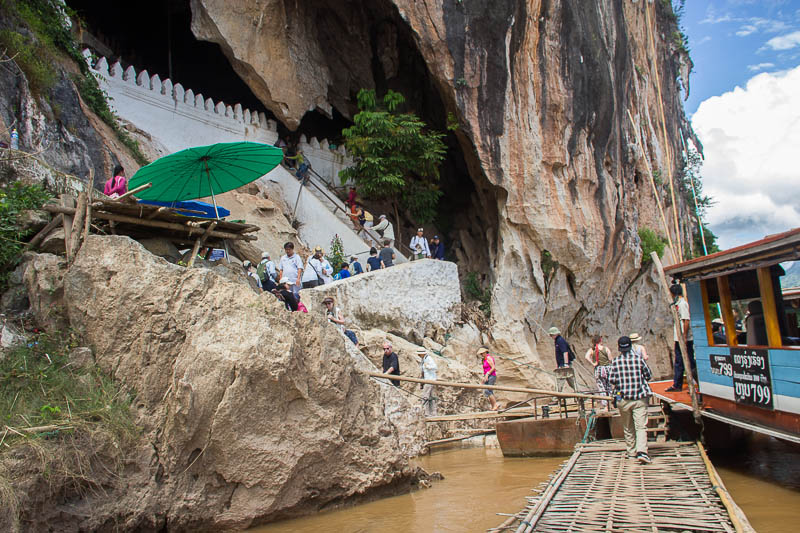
[760, 66]
[704, 40]
[784, 42]
[750, 138]
[746, 30]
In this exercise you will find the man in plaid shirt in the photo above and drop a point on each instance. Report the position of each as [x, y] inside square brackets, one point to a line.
[629, 375]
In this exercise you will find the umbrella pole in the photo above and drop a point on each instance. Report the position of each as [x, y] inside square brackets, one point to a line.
[213, 198]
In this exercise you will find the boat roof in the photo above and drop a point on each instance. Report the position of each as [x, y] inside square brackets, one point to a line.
[768, 251]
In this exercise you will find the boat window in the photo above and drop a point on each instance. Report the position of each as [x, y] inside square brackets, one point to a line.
[788, 302]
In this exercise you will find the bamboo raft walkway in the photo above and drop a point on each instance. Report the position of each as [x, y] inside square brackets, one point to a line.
[600, 489]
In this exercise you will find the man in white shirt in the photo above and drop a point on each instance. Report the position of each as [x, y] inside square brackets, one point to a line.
[267, 272]
[428, 366]
[682, 307]
[385, 229]
[419, 246]
[291, 267]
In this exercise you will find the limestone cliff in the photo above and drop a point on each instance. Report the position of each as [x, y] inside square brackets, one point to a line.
[542, 91]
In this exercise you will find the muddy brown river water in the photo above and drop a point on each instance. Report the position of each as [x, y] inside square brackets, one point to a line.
[763, 476]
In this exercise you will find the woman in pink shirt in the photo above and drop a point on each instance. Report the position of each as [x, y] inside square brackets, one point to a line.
[118, 185]
[489, 375]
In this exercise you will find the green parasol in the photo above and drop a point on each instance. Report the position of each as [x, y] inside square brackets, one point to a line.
[205, 171]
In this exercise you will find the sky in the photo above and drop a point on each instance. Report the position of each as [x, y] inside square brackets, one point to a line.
[744, 105]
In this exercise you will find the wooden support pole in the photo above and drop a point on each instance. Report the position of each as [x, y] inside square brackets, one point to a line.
[489, 387]
[706, 314]
[734, 512]
[157, 212]
[150, 223]
[726, 307]
[88, 225]
[199, 242]
[45, 231]
[140, 188]
[769, 307]
[681, 340]
[68, 204]
[77, 226]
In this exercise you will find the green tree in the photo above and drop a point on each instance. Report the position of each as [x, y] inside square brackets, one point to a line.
[397, 157]
[692, 190]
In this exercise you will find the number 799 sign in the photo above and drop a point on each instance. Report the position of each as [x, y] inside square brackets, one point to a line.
[752, 382]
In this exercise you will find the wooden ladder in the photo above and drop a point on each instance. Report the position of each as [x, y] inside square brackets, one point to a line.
[657, 423]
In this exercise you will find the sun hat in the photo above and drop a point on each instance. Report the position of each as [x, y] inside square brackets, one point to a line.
[382, 216]
[634, 337]
[482, 350]
[718, 321]
[554, 331]
[318, 249]
[264, 255]
[283, 280]
[421, 351]
[247, 264]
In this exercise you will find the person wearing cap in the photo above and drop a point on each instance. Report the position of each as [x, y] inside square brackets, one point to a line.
[267, 272]
[385, 229]
[419, 245]
[291, 267]
[334, 316]
[600, 358]
[638, 348]
[428, 367]
[682, 307]
[250, 270]
[391, 364]
[563, 355]
[285, 294]
[489, 375]
[356, 266]
[629, 375]
[718, 331]
[437, 248]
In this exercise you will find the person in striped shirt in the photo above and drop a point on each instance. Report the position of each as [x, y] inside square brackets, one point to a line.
[628, 376]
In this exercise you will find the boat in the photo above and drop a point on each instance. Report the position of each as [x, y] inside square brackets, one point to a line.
[746, 336]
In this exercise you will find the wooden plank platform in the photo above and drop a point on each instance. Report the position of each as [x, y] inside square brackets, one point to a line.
[600, 489]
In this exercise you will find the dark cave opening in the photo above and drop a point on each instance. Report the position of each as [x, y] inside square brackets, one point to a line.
[156, 35]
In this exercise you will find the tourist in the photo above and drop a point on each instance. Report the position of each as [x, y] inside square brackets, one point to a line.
[334, 315]
[437, 248]
[629, 375]
[291, 267]
[600, 358]
[391, 365]
[267, 272]
[356, 265]
[302, 165]
[355, 218]
[117, 185]
[344, 272]
[314, 273]
[285, 293]
[718, 331]
[428, 367]
[419, 246]
[638, 348]
[250, 270]
[563, 356]
[351, 198]
[489, 375]
[387, 254]
[682, 307]
[374, 262]
[385, 229]
[361, 217]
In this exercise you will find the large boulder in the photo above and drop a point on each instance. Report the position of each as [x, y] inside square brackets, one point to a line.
[43, 276]
[247, 412]
[413, 300]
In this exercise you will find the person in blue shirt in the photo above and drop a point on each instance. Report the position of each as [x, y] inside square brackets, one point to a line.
[437, 248]
[343, 273]
[357, 268]
[374, 262]
[563, 356]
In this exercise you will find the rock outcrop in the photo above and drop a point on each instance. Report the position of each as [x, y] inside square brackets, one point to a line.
[243, 418]
[413, 300]
[542, 91]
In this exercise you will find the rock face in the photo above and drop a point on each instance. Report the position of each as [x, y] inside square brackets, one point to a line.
[241, 417]
[413, 300]
[550, 98]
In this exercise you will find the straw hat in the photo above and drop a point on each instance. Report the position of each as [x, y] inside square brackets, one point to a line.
[554, 331]
[634, 337]
[482, 350]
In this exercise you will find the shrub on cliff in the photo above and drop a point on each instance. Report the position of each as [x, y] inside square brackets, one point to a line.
[397, 158]
[14, 199]
[650, 242]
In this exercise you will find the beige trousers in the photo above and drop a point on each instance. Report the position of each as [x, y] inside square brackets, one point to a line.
[634, 424]
[429, 402]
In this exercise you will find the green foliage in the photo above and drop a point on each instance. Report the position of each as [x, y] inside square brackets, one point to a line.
[697, 242]
[39, 386]
[32, 58]
[691, 188]
[396, 157]
[452, 122]
[657, 177]
[474, 291]
[640, 72]
[14, 199]
[49, 22]
[650, 242]
[335, 255]
[461, 82]
[549, 265]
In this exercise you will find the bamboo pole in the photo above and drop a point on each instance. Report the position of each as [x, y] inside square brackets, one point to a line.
[489, 387]
[45, 231]
[88, 225]
[77, 226]
[734, 512]
[529, 522]
[681, 340]
[199, 242]
[140, 188]
[150, 223]
[652, 183]
[68, 204]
